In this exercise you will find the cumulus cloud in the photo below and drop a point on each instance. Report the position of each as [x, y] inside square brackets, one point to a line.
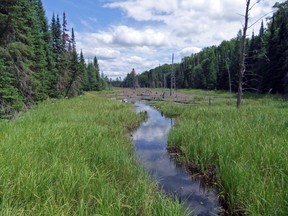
[187, 51]
[128, 36]
[102, 53]
[162, 27]
[141, 10]
[184, 17]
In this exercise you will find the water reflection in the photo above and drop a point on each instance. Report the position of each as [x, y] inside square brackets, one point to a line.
[150, 141]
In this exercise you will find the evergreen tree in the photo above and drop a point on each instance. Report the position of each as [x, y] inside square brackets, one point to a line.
[65, 35]
[97, 74]
[57, 56]
[19, 38]
[61, 55]
[37, 61]
[74, 86]
[10, 99]
[39, 66]
[91, 73]
[48, 78]
[275, 70]
[83, 72]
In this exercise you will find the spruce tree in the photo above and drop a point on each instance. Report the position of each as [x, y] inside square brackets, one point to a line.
[91, 73]
[65, 35]
[19, 39]
[10, 98]
[83, 72]
[97, 74]
[39, 66]
[74, 86]
[61, 57]
[49, 77]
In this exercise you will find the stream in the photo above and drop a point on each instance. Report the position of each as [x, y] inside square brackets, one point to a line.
[150, 141]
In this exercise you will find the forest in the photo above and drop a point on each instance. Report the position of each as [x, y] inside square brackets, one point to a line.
[69, 148]
[40, 61]
[216, 67]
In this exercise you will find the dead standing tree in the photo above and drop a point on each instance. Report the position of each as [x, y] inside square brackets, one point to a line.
[242, 66]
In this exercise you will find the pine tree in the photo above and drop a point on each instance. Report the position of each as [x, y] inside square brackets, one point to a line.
[10, 99]
[49, 77]
[74, 86]
[65, 35]
[91, 74]
[19, 38]
[83, 72]
[61, 58]
[97, 74]
[56, 34]
[39, 66]
[282, 75]
[275, 71]
[37, 61]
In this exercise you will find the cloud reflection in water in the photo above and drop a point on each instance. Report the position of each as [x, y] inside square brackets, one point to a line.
[150, 141]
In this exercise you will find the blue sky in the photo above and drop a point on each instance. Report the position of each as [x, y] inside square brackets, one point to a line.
[142, 34]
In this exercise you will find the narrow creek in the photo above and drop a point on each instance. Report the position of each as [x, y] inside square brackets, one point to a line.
[150, 141]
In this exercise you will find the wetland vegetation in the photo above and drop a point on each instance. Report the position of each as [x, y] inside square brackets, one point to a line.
[74, 157]
[248, 147]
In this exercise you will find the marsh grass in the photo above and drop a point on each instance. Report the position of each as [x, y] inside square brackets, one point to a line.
[74, 157]
[208, 93]
[247, 145]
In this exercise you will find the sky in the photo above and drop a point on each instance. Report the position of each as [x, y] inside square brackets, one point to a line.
[143, 34]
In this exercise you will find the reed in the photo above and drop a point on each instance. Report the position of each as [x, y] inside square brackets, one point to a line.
[248, 146]
[74, 157]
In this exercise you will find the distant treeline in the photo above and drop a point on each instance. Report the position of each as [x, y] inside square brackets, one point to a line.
[266, 63]
[37, 60]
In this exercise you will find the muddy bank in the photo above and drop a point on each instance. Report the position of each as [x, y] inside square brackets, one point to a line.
[207, 179]
[155, 95]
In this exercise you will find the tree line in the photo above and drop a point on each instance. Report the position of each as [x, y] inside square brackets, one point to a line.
[216, 67]
[38, 60]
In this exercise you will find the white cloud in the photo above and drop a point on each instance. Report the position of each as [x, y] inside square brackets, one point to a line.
[162, 27]
[145, 50]
[187, 51]
[128, 36]
[141, 10]
[102, 53]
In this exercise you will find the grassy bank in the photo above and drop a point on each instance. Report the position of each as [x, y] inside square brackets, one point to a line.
[248, 146]
[73, 157]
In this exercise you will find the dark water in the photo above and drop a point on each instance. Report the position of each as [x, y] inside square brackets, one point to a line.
[150, 141]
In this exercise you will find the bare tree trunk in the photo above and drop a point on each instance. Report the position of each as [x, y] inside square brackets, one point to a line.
[229, 76]
[172, 76]
[242, 65]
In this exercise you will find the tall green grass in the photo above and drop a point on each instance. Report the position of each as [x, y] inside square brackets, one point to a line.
[248, 146]
[74, 157]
